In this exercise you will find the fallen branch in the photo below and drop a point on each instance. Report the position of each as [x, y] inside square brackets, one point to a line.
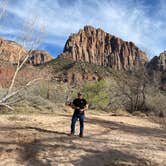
[4, 101]
[7, 106]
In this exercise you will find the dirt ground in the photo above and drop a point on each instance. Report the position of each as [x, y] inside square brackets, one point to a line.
[43, 140]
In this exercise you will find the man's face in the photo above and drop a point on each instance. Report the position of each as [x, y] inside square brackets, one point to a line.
[80, 96]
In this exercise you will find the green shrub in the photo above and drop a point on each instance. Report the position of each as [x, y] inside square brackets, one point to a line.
[96, 93]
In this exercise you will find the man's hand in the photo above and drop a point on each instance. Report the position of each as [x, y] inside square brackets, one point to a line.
[70, 104]
[84, 109]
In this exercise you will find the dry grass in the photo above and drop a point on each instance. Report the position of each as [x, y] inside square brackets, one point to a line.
[160, 120]
[17, 118]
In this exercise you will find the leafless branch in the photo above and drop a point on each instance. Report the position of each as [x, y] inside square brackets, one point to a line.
[7, 106]
[3, 6]
[26, 38]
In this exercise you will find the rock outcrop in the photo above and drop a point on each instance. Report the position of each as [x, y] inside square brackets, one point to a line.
[39, 57]
[98, 47]
[158, 62]
[10, 52]
[157, 69]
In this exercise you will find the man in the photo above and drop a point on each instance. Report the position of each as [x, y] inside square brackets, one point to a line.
[79, 105]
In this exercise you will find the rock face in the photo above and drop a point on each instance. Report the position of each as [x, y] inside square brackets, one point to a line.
[39, 57]
[98, 47]
[157, 69]
[158, 62]
[10, 51]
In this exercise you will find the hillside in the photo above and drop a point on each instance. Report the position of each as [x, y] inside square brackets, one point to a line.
[70, 71]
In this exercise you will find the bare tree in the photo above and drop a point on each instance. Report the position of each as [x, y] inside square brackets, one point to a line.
[130, 90]
[30, 39]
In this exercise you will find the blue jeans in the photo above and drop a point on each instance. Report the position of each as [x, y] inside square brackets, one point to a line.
[76, 116]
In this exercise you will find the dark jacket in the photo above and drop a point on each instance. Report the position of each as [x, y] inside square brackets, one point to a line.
[79, 104]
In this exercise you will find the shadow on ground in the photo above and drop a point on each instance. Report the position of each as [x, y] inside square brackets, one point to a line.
[142, 131]
[112, 158]
[54, 141]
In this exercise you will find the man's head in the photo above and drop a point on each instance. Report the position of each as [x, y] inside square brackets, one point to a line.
[80, 96]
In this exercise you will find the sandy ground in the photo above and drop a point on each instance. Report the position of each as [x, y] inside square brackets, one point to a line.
[43, 140]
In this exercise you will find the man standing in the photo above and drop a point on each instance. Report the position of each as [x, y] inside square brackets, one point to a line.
[79, 105]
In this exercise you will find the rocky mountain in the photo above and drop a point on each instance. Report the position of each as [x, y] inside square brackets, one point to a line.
[158, 62]
[10, 50]
[98, 47]
[90, 54]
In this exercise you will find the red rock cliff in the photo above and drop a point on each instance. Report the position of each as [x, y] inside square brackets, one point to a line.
[98, 47]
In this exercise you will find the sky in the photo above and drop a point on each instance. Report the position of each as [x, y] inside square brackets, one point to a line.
[140, 21]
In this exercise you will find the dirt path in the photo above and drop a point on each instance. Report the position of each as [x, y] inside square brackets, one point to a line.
[42, 140]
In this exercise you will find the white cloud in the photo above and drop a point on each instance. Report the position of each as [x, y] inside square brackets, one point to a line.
[125, 19]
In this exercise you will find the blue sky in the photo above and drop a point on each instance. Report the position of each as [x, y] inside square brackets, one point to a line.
[140, 21]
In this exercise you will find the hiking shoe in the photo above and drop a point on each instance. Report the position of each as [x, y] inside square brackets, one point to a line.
[71, 134]
[81, 135]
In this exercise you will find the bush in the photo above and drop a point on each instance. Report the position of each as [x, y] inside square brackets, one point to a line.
[96, 94]
[156, 103]
[51, 91]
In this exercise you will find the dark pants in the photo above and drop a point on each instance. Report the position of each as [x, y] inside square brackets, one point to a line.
[76, 116]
